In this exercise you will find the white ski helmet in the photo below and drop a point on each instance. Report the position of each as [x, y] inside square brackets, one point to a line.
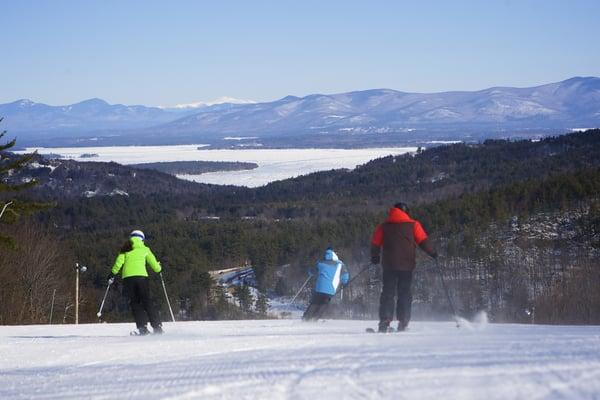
[137, 233]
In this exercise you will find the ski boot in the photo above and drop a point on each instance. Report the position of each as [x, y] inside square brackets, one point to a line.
[157, 330]
[384, 327]
[402, 326]
[141, 331]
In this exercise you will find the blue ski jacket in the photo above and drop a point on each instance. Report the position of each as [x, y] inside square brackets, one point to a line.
[330, 272]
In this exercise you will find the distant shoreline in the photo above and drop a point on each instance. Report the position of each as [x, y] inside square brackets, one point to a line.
[195, 167]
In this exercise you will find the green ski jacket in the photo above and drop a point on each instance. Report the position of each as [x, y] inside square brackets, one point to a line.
[133, 263]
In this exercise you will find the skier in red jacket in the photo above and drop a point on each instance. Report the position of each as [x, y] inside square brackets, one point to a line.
[395, 240]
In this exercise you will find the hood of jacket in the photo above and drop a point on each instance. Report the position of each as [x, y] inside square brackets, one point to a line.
[397, 216]
[330, 255]
[136, 242]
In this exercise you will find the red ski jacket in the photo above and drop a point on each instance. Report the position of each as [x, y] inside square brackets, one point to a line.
[396, 240]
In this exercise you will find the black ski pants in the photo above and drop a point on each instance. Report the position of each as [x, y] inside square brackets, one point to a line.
[317, 306]
[396, 289]
[138, 291]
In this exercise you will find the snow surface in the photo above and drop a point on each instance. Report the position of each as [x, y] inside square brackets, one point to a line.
[273, 164]
[289, 359]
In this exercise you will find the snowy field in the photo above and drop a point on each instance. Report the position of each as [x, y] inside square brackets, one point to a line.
[288, 359]
[273, 164]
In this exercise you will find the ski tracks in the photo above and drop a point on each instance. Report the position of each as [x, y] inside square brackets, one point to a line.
[572, 388]
[289, 360]
[324, 375]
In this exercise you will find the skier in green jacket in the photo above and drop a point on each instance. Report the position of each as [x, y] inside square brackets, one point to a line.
[131, 263]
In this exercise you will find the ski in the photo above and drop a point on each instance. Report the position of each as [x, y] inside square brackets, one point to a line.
[371, 330]
[138, 333]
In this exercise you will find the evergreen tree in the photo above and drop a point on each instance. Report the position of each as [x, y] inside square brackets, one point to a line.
[261, 305]
[11, 207]
[244, 297]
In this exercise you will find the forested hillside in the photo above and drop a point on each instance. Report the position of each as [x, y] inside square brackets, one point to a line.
[195, 167]
[517, 225]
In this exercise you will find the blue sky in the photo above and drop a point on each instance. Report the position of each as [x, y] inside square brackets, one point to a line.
[165, 53]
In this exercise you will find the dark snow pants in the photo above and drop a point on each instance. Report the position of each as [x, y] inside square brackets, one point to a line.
[396, 289]
[136, 288]
[317, 306]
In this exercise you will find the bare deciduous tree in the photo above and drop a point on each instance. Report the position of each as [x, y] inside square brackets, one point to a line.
[29, 274]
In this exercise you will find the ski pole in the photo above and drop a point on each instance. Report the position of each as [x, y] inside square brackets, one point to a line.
[359, 273]
[99, 314]
[166, 296]
[447, 294]
[52, 306]
[302, 287]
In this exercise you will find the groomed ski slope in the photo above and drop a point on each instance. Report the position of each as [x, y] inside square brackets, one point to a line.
[289, 359]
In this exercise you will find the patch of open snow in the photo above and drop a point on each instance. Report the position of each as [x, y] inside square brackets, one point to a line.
[442, 113]
[35, 165]
[282, 307]
[240, 137]
[118, 192]
[90, 193]
[289, 359]
[515, 107]
[581, 129]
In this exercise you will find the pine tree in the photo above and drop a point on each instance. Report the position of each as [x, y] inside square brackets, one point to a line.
[244, 297]
[11, 208]
[262, 304]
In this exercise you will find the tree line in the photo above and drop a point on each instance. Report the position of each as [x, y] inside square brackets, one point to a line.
[475, 200]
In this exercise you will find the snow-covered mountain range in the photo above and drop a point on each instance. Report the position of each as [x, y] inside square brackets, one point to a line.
[371, 114]
[572, 102]
[93, 114]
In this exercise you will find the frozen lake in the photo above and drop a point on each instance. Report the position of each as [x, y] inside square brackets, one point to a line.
[273, 164]
[289, 359]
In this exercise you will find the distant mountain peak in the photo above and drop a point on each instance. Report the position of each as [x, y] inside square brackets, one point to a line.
[229, 100]
[290, 98]
[93, 101]
[587, 81]
[24, 103]
[581, 78]
[220, 100]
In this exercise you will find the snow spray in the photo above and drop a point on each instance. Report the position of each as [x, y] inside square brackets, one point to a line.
[479, 322]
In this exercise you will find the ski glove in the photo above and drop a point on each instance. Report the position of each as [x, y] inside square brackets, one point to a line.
[345, 278]
[110, 278]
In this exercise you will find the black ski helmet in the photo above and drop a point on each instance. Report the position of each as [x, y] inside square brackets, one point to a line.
[402, 206]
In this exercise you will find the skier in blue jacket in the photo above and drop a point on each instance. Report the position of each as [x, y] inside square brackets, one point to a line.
[330, 272]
